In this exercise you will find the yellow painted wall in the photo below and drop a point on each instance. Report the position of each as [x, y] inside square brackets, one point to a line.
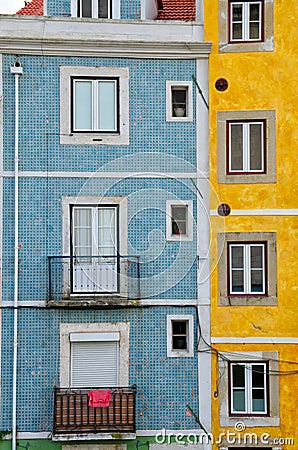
[260, 81]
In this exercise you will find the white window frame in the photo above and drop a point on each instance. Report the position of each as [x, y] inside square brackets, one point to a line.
[273, 417]
[245, 21]
[189, 352]
[88, 332]
[95, 102]
[189, 220]
[96, 137]
[121, 203]
[247, 269]
[189, 102]
[246, 147]
[114, 11]
[248, 389]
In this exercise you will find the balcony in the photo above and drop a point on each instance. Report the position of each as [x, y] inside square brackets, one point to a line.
[73, 416]
[93, 279]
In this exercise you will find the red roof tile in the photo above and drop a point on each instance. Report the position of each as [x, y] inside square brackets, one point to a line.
[177, 10]
[34, 8]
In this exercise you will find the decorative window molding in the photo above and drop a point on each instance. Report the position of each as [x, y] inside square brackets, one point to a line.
[267, 273]
[110, 9]
[179, 220]
[272, 418]
[242, 34]
[93, 128]
[92, 332]
[180, 336]
[179, 103]
[246, 147]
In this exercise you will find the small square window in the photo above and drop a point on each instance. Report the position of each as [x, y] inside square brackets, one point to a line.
[180, 336]
[246, 147]
[246, 21]
[179, 101]
[248, 388]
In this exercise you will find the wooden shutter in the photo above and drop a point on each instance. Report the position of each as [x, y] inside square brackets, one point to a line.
[94, 364]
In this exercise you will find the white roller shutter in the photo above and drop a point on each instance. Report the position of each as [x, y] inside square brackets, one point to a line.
[94, 364]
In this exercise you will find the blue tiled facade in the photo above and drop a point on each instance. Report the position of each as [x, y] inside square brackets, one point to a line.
[49, 173]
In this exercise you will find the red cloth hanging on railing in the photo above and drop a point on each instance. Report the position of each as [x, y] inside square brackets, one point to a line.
[99, 398]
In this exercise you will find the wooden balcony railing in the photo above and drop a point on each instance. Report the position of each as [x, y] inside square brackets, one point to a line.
[72, 415]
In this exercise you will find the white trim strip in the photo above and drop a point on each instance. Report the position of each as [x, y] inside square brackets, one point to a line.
[147, 302]
[104, 174]
[254, 340]
[260, 212]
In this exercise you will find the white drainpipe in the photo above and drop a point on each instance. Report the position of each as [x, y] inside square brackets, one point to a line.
[17, 71]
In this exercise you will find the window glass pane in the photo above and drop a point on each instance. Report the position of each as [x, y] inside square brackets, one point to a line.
[179, 327]
[239, 400]
[83, 105]
[237, 31]
[258, 400]
[238, 372]
[258, 376]
[179, 97]
[179, 343]
[86, 8]
[237, 281]
[254, 11]
[256, 257]
[82, 232]
[254, 30]
[237, 257]
[236, 146]
[107, 106]
[256, 144]
[237, 13]
[106, 231]
[179, 219]
[257, 281]
[103, 9]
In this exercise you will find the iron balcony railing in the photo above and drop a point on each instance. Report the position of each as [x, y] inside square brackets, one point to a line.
[72, 415]
[93, 276]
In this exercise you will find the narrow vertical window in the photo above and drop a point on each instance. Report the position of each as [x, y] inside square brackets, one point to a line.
[179, 101]
[179, 219]
[94, 8]
[180, 335]
[180, 339]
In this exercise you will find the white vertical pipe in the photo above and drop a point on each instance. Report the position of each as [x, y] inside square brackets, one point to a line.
[17, 70]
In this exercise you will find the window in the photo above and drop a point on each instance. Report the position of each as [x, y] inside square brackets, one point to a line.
[94, 8]
[246, 21]
[99, 354]
[97, 248]
[247, 269]
[179, 101]
[248, 388]
[94, 106]
[94, 354]
[94, 244]
[245, 26]
[179, 220]
[246, 147]
[180, 336]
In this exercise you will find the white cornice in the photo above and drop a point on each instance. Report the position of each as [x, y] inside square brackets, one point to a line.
[88, 37]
